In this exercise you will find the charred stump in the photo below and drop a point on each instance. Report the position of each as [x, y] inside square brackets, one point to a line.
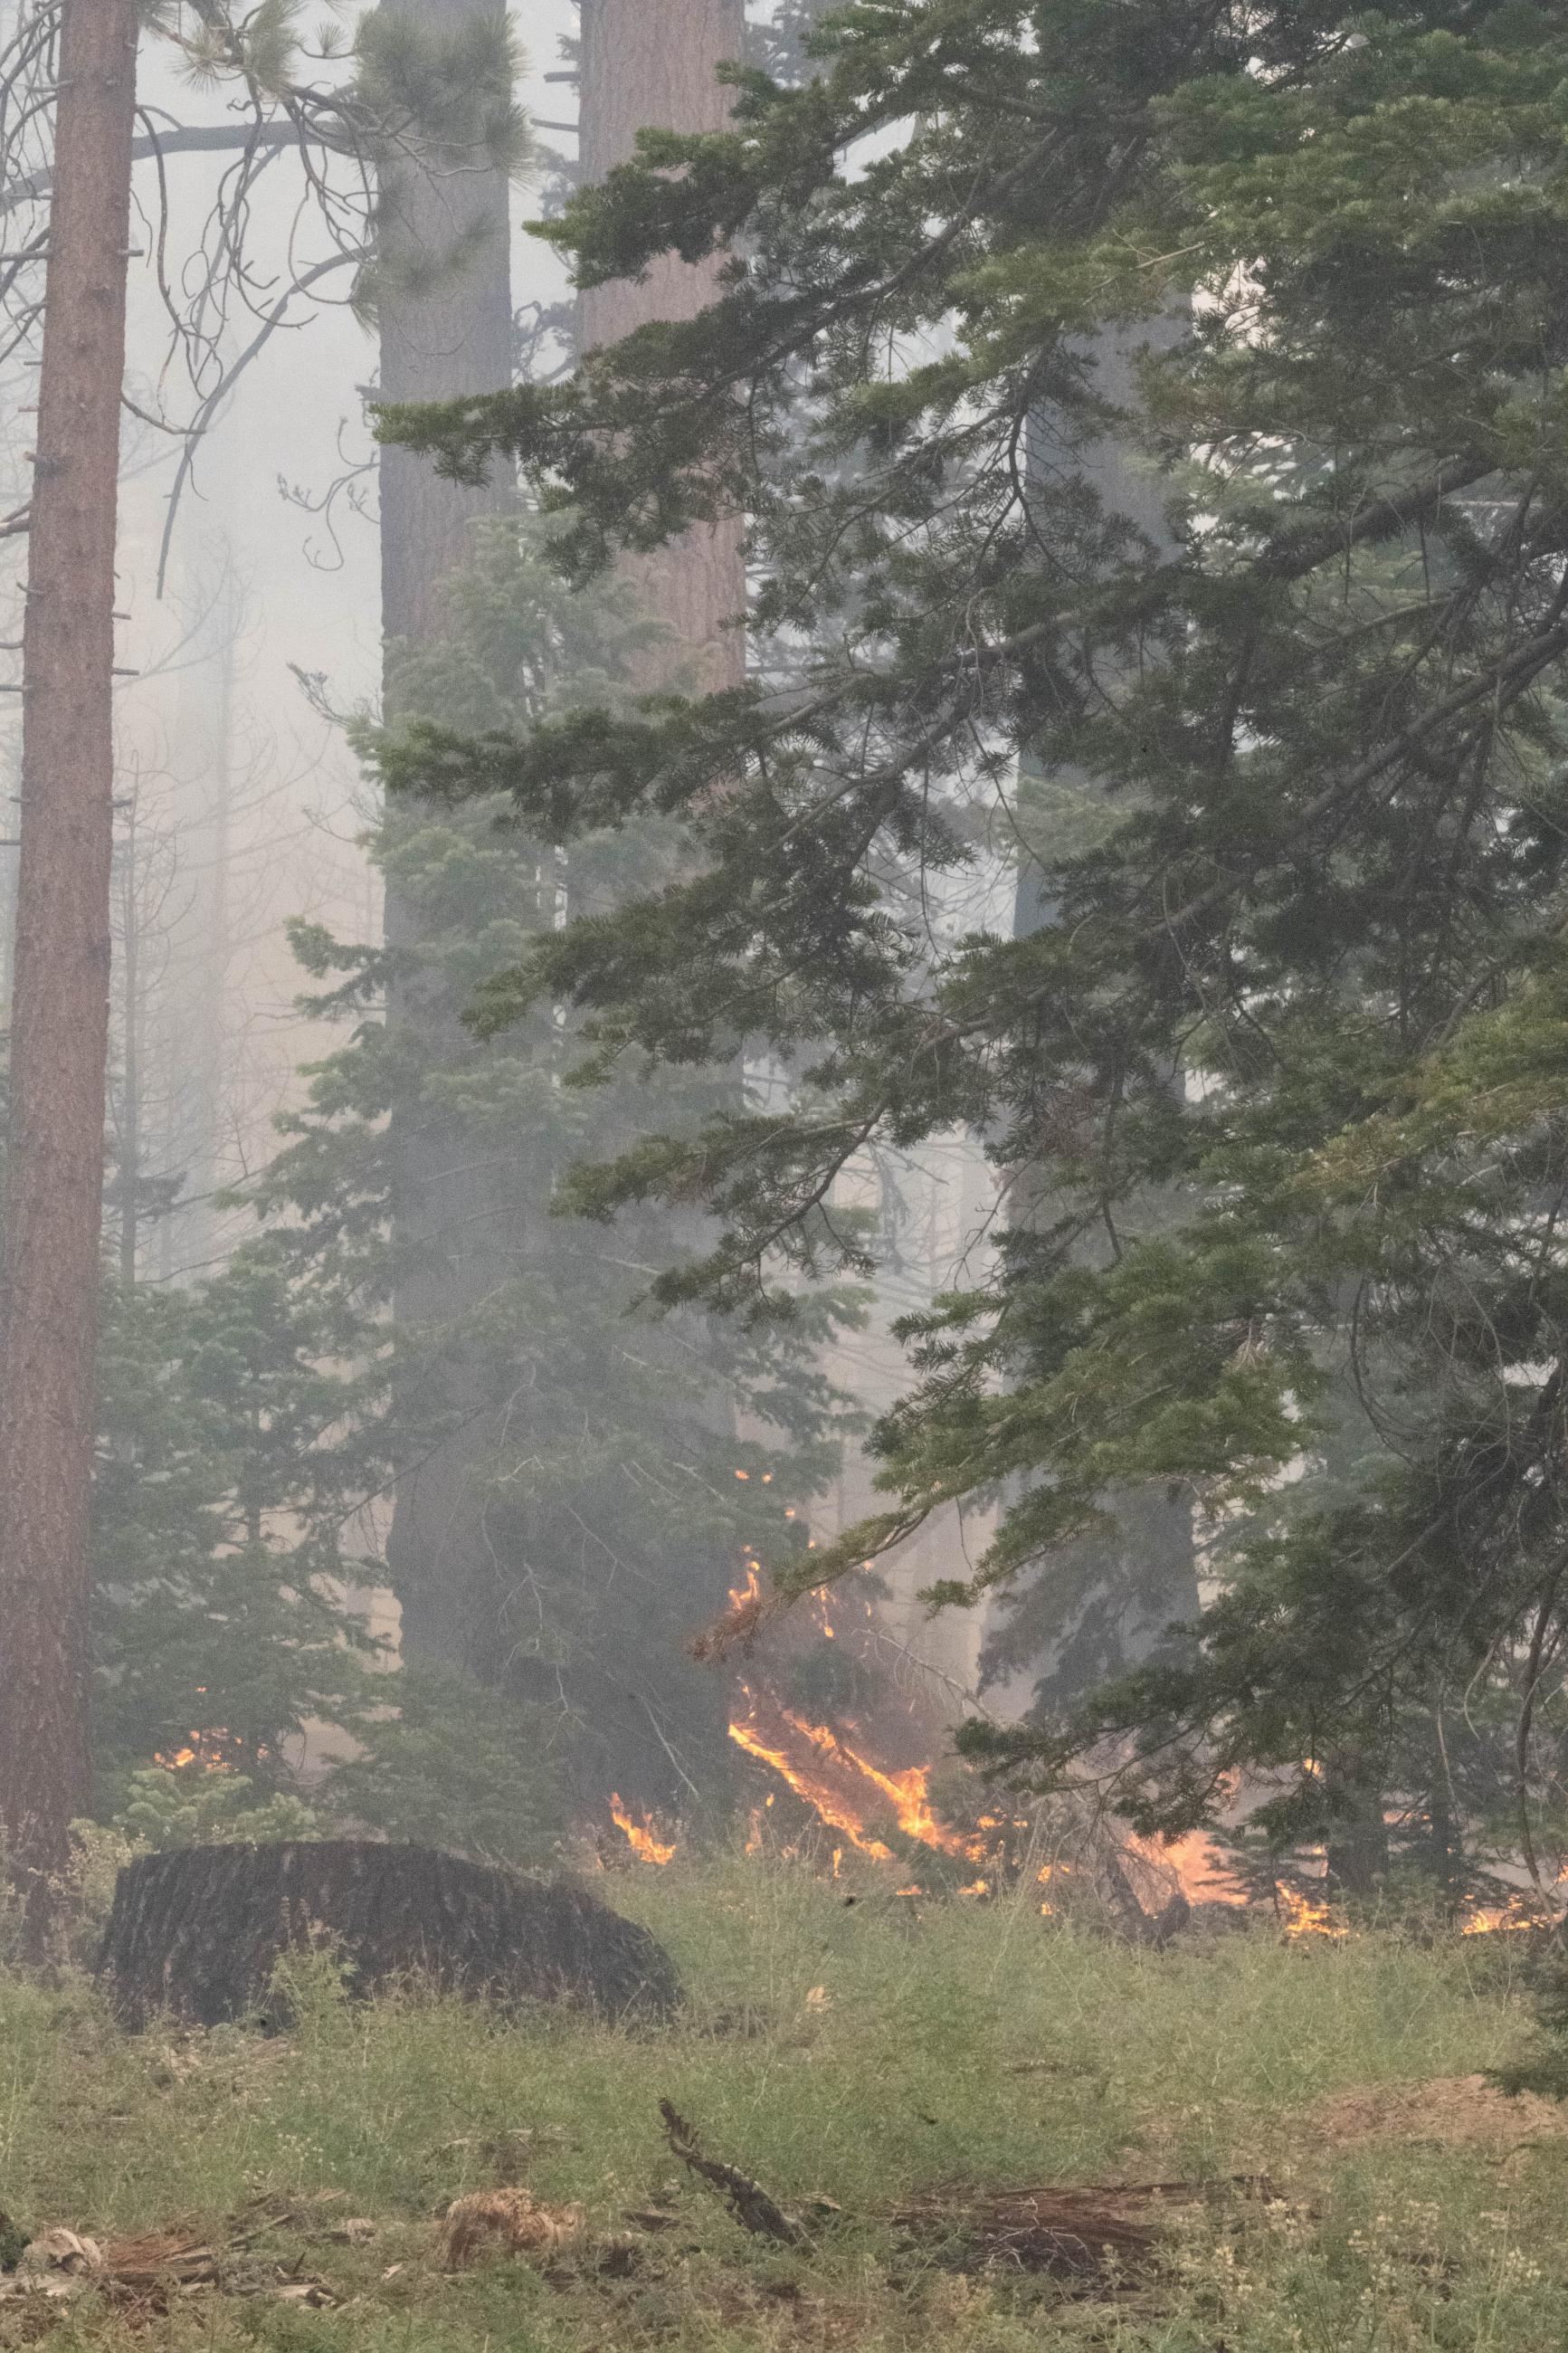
[198, 1931]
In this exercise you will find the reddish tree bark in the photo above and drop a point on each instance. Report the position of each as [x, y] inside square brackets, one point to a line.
[654, 68]
[60, 1033]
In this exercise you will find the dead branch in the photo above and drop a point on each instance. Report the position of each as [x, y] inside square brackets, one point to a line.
[749, 2203]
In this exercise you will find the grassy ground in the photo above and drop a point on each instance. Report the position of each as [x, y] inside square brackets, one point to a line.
[860, 2054]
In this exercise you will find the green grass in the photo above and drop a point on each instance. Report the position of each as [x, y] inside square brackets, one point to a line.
[858, 2053]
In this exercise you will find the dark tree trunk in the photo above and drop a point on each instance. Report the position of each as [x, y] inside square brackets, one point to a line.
[446, 321]
[198, 1931]
[59, 1031]
[646, 68]
[1356, 1850]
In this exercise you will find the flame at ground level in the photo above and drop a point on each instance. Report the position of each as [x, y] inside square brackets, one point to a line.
[642, 1838]
[1488, 1921]
[1303, 1917]
[841, 1785]
[806, 1783]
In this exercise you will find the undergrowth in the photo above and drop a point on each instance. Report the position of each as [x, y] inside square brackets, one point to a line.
[856, 2052]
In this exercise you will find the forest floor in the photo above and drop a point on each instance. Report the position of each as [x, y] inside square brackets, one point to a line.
[1338, 2173]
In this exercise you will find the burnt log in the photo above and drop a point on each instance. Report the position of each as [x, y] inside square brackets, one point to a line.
[197, 1932]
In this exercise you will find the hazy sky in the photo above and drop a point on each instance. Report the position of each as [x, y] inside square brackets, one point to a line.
[218, 740]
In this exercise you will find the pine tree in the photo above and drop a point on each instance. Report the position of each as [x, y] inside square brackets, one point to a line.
[1304, 975]
[60, 1023]
[441, 281]
[231, 1458]
[615, 1499]
[574, 1501]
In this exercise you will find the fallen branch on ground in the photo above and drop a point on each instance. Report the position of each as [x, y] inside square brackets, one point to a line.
[748, 2201]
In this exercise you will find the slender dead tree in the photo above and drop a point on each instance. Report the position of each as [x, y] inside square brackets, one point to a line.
[60, 1035]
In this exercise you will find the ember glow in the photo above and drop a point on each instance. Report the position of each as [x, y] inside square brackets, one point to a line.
[642, 1837]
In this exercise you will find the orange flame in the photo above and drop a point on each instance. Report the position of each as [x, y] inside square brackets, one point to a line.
[211, 1750]
[910, 1798]
[748, 1608]
[1482, 1922]
[1198, 1866]
[840, 1784]
[817, 1793]
[1303, 1917]
[641, 1837]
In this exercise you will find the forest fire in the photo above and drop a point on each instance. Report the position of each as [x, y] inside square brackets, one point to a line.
[909, 1795]
[1496, 1919]
[1301, 1917]
[641, 1837]
[840, 1783]
[1198, 1867]
[808, 1776]
[741, 1621]
[827, 1757]
[214, 1751]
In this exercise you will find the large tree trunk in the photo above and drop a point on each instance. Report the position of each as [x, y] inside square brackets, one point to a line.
[198, 1931]
[466, 1222]
[446, 320]
[59, 1032]
[444, 298]
[654, 68]
[655, 1726]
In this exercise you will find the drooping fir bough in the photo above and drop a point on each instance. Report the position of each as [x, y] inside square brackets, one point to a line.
[1287, 782]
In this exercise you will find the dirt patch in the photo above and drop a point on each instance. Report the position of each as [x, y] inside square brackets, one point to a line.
[1456, 2110]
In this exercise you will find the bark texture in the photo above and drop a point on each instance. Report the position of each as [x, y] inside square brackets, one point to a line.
[198, 1931]
[654, 68]
[444, 301]
[60, 1033]
[445, 325]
